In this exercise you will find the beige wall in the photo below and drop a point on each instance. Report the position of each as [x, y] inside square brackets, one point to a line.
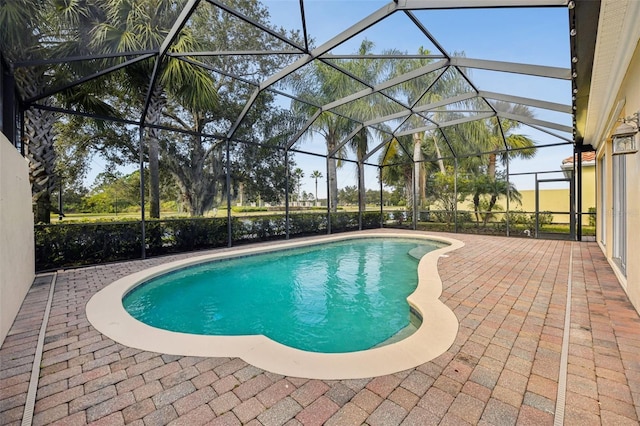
[558, 199]
[629, 93]
[17, 261]
[552, 200]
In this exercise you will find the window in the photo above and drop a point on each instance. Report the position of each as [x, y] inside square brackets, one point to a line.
[620, 212]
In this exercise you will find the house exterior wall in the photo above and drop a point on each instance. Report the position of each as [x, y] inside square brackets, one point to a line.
[629, 93]
[17, 260]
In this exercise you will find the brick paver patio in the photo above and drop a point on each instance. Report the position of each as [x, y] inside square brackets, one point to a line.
[504, 367]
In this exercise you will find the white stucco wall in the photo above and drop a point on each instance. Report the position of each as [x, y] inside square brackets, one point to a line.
[17, 261]
[629, 97]
[630, 91]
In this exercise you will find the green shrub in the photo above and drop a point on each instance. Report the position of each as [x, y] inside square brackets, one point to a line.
[371, 220]
[308, 224]
[441, 216]
[249, 209]
[464, 216]
[75, 244]
[83, 244]
[592, 216]
[344, 221]
[544, 218]
[517, 217]
[61, 245]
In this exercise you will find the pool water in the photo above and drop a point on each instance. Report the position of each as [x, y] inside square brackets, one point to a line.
[333, 297]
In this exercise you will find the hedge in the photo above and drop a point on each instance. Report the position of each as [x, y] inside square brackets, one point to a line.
[75, 244]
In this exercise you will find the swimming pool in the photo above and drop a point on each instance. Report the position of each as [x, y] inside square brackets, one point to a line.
[340, 296]
[105, 311]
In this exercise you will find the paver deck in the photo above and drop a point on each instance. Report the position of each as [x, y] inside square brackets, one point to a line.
[503, 368]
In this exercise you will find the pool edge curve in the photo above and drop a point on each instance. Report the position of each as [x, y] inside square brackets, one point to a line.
[436, 334]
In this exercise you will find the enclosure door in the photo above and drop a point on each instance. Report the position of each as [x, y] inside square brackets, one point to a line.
[620, 212]
[555, 198]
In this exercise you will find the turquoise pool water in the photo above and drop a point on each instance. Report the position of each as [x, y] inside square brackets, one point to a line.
[333, 297]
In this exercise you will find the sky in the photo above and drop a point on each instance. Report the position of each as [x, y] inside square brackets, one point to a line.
[536, 36]
[529, 35]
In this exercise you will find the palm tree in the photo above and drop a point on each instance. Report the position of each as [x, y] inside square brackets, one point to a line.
[443, 86]
[316, 175]
[332, 127]
[298, 174]
[518, 146]
[360, 144]
[321, 84]
[495, 136]
[34, 30]
[397, 167]
[363, 109]
[21, 29]
[144, 25]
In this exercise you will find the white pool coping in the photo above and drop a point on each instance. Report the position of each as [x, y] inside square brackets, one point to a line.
[436, 334]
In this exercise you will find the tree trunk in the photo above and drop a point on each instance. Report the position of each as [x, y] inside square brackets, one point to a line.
[153, 136]
[317, 192]
[362, 201]
[418, 173]
[491, 169]
[332, 174]
[440, 161]
[476, 206]
[197, 173]
[154, 179]
[39, 150]
[492, 203]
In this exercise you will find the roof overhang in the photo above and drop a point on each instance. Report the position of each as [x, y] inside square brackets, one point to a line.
[618, 33]
[584, 19]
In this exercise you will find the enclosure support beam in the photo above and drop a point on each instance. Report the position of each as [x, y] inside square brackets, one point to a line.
[416, 176]
[387, 84]
[508, 195]
[329, 206]
[143, 248]
[228, 180]
[553, 106]
[572, 195]
[286, 193]
[374, 150]
[361, 200]
[446, 124]
[164, 48]
[577, 155]
[468, 4]
[75, 83]
[537, 206]
[345, 140]
[381, 198]
[530, 121]
[512, 67]
[304, 128]
[455, 194]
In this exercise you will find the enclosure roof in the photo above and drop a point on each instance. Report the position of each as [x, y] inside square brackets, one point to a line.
[502, 54]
